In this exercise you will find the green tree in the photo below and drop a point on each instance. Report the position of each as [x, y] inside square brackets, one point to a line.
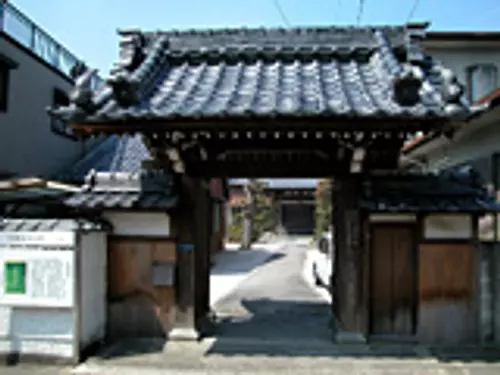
[258, 216]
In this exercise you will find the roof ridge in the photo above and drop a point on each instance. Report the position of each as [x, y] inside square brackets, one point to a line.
[243, 30]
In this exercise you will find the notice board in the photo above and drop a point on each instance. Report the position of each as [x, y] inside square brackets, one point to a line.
[36, 277]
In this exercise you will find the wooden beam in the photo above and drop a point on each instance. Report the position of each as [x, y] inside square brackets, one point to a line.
[233, 169]
[288, 123]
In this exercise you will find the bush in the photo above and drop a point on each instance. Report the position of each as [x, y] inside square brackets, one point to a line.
[265, 219]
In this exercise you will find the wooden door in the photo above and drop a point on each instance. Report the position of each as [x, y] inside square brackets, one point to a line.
[136, 307]
[298, 218]
[393, 280]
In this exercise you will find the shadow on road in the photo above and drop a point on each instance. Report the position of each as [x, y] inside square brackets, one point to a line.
[247, 260]
[305, 329]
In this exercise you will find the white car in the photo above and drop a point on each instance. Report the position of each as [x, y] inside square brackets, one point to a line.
[323, 261]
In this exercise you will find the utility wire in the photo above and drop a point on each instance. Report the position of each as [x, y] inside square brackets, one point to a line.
[280, 10]
[339, 8]
[360, 11]
[413, 10]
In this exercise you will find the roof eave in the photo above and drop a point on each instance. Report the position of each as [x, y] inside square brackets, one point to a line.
[343, 123]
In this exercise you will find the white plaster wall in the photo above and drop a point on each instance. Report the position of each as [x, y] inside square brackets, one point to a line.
[392, 218]
[37, 331]
[448, 226]
[139, 224]
[93, 262]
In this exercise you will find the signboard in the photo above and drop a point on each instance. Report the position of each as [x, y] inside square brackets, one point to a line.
[36, 278]
[37, 238]
[15, 277]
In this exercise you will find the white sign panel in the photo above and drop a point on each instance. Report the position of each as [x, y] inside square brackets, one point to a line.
[163, 274]
[36, 278]
[37, 238]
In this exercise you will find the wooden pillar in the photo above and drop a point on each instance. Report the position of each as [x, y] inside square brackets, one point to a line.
[205, 225]
[193, 248]
[349, 303]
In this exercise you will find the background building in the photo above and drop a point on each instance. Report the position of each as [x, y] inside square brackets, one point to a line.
[35, 73]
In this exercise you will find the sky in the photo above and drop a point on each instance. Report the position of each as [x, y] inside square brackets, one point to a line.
[88, 28]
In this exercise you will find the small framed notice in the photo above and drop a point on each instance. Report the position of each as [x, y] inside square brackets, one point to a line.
[163, 274]
[15, 277]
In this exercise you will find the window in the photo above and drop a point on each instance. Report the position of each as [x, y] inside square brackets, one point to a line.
[59, 98]
[6, 64]
[482, 79]
[4, 88]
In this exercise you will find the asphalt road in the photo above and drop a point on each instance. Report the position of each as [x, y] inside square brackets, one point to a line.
[275, 303]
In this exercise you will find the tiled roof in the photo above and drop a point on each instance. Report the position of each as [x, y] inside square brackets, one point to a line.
[453, 191]
[51, 225]
[115, 154]
[148, 190]
[265, 73]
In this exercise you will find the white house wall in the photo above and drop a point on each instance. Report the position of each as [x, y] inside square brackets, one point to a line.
[477, 145]
[27, 145]
[458, 59]
[93, 263]
[139, 224]
[482, 138]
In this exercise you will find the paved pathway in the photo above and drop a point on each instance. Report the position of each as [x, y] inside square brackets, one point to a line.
[275, 303]
[233, 265]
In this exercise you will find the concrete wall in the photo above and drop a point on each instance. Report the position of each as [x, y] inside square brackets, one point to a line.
[39, 332]
[93, 271]
[27, 145]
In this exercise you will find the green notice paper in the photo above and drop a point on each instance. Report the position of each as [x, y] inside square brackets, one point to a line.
[15, 277]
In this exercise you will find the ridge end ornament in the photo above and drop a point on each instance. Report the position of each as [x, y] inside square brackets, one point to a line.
[82, 96]
[407, 86]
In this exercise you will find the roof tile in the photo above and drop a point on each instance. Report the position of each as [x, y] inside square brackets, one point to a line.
[331, 71]
[123, 190]
[115, 154]
[44, 225]
[451, 191]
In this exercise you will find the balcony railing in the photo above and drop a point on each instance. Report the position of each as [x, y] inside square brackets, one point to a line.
[19, 27]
